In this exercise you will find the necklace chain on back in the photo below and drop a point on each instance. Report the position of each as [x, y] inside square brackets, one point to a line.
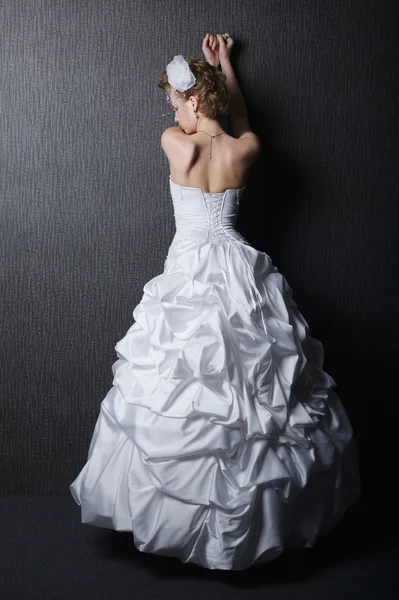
[211, 136]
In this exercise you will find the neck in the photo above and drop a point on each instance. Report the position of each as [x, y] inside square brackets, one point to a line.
[210, 126]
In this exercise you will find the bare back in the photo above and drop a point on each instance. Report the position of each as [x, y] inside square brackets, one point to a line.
[227, 168]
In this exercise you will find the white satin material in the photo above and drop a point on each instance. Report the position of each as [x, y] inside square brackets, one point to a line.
[221, 440]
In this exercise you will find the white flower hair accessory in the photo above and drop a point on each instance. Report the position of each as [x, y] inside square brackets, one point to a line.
[180, 76]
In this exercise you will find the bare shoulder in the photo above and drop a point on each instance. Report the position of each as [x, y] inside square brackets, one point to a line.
[246, 139]
[249, 143]
[175, 141]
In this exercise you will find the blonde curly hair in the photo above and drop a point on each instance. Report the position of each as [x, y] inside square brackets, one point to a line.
[210, 89]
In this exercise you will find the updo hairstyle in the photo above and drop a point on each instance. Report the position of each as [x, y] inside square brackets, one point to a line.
[210, 89]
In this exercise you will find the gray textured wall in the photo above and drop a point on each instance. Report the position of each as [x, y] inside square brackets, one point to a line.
[86, 215]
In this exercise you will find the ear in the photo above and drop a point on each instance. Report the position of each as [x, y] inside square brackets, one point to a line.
[194, 102]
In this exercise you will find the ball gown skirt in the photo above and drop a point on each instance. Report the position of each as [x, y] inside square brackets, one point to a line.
[221, 441]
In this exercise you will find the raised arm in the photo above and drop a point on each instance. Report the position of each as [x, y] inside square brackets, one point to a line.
[238, 111]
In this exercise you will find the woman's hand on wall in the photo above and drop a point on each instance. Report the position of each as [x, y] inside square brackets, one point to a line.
[225, 44]
[216, 48]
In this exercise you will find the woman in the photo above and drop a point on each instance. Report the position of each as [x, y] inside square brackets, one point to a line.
[215, 95]
[221, 440]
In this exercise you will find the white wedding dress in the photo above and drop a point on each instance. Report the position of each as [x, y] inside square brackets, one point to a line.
[221, 441]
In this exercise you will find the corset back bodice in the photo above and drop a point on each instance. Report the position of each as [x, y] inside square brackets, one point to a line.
[206, 216]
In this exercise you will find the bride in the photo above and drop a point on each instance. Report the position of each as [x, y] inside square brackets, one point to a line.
[221, 441]
[199, 135]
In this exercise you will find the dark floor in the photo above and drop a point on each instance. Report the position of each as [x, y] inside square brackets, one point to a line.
[46, 553]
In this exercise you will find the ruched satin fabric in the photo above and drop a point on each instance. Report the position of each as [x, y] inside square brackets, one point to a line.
[221, 441]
